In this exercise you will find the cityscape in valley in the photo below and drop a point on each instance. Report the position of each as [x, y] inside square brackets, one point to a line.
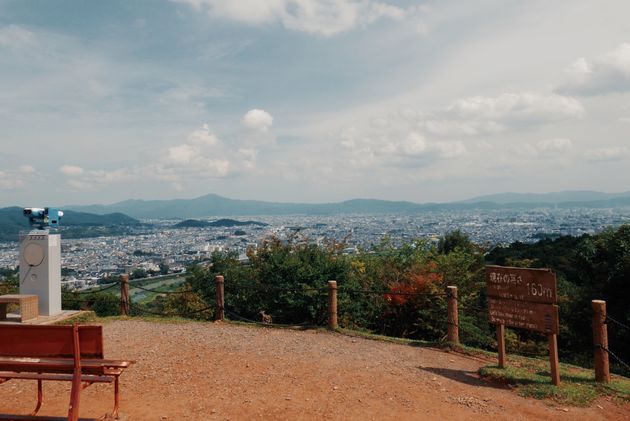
[153, 247]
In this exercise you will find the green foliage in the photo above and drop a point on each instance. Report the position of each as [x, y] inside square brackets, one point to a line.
[109, 279]
[101, 303]
[7, 272]
[164, 268]
[289, 282]
[10, 285]
[138, 274]
[184, 302]
[68, 271]
[455, 240]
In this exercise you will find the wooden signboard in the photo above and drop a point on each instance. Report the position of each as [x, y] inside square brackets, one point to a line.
[524, 298]
[533, 285]
[531, 316]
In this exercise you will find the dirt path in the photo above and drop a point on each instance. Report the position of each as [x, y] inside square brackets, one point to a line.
[206, 371]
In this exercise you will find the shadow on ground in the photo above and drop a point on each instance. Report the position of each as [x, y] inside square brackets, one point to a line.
[464, 376]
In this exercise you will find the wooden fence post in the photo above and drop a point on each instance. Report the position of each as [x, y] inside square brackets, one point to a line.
[124, 295]
[501, 344]
[600, 341]
[452, 318]
[220, 312]
[554, 363]
[332, 305]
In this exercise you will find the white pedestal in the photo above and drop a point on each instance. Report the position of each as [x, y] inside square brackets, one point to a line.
[40, 269]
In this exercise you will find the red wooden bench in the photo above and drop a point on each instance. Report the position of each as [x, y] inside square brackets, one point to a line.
[57, 353]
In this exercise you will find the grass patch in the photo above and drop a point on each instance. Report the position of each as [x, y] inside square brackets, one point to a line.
[85, 317]
[531, 378]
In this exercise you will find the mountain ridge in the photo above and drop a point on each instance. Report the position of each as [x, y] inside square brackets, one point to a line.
[210, 205]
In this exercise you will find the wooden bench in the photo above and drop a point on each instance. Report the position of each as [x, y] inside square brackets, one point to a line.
[29, 305]
[57, 353]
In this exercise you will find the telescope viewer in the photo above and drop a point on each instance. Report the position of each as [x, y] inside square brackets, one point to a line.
[44, 218]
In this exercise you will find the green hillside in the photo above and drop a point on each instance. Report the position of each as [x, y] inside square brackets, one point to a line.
[73, 224]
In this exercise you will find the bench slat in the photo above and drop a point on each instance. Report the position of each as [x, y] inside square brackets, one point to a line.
[50, 341]
[55, 377]
[41, 418]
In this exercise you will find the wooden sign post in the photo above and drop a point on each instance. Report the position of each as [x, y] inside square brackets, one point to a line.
[526, 299]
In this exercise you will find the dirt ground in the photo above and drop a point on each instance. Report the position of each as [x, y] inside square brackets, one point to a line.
[214, 371]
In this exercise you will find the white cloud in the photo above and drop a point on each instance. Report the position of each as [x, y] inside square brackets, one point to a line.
[449, 149]
[607, 154]
[89, 180]
[13, 36]
[26, 169]
[415, 145]
[75, 184]
[9, 181]
[203, 155]
[321, 17]
[518, 109]
[607, 74]
[181, 154]
[555, 146]
[256, 119]
[71, 170]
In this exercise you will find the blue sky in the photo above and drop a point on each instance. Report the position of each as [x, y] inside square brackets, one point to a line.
[311, 100]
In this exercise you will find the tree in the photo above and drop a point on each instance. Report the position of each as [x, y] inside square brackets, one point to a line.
[454, 240]
[138, 274]
[164, 268]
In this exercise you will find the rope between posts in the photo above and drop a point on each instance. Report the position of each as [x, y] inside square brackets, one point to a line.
[161, 292]
[230, 285]
[618, 323]
[72, 300]
[619, 360]
[376, 292]
[95, 291]
[156, 313]
[245, 319]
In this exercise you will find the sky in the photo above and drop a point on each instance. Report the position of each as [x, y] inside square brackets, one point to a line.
[311, 100]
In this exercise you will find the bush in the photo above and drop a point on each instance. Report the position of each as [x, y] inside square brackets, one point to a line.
[101, 303]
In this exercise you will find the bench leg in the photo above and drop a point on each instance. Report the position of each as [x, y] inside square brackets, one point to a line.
[40, 397]
[116, 398]
[3, 311]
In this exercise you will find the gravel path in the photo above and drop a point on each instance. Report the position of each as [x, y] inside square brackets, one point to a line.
[214, 371]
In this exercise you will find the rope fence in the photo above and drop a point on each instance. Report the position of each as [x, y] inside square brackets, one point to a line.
[618, 323]
[97, 290]
[464, 316]
[615, 357]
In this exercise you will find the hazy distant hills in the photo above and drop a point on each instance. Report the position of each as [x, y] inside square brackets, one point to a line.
[12, 222]
[195, 223]
[215, 205]
[122, 217]
[582, 196]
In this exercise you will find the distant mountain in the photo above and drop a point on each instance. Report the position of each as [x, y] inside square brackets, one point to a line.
[555, 197]
[74, 218]
[73, 223]
[215, 205]
[195, 223]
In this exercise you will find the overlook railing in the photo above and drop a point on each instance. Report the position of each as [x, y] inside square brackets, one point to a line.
[326, 300]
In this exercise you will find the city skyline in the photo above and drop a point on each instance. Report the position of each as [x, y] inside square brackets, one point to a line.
[311, 101]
